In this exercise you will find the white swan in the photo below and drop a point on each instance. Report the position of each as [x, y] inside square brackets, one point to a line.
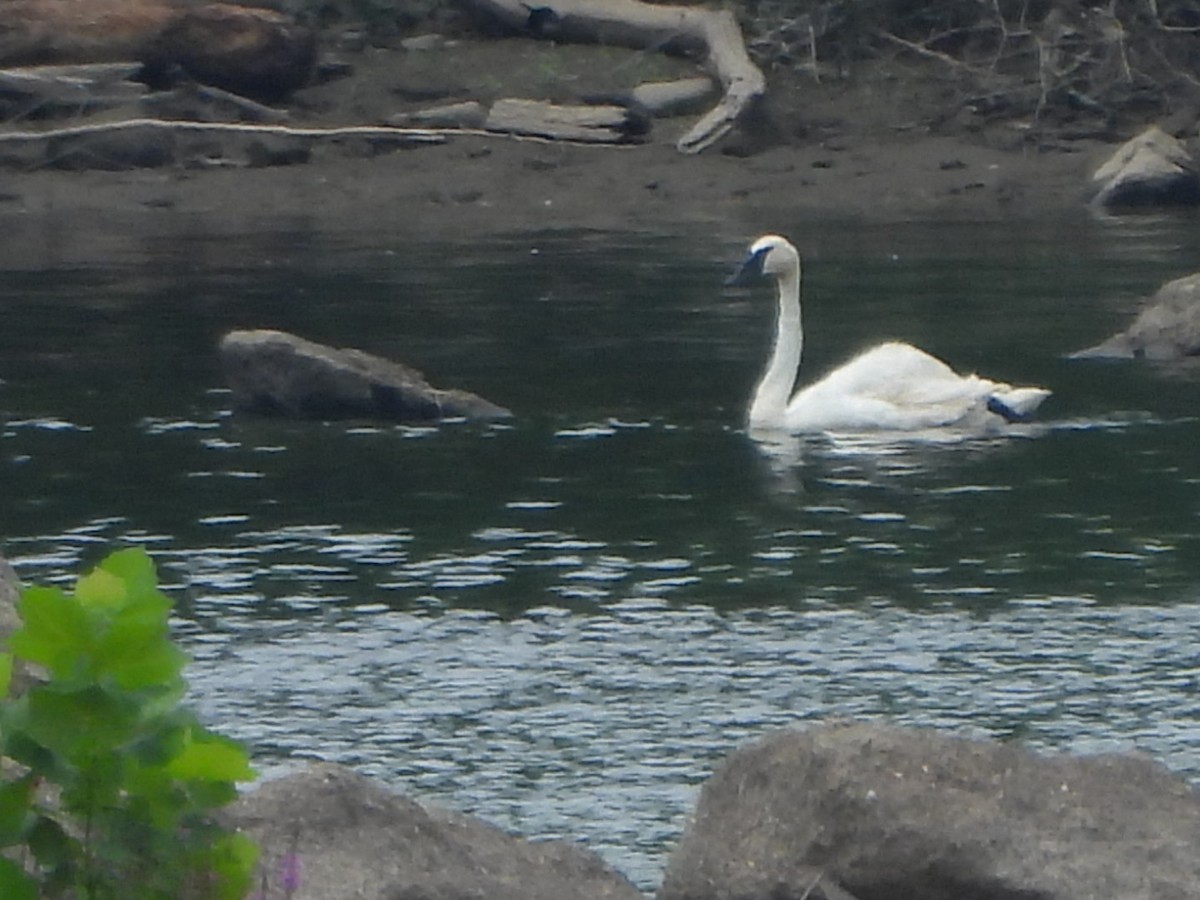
[893, 386]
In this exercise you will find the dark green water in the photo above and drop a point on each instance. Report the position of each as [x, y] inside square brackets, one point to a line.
[561, 624]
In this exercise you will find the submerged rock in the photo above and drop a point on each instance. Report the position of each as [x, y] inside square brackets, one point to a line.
[276, 373]
[337, 835]
[876, 813]
[1167, 329]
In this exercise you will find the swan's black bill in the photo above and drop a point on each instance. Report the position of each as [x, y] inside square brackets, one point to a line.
[750, 271]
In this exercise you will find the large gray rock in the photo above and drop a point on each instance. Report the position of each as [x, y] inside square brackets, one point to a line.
[884, 813]
[1152, 169]
[354, 840]
[1167, 329]
[276, 373]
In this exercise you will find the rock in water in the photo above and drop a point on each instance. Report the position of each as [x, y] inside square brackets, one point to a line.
[1167, 329]
[1152, 169]
[885, 812]
[276, 373]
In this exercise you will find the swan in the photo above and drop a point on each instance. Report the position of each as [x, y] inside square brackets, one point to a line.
[892, 387]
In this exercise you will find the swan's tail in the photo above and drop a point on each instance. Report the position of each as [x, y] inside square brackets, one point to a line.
[1016, 404]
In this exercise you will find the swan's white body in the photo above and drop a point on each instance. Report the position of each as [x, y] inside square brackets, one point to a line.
[893, 386]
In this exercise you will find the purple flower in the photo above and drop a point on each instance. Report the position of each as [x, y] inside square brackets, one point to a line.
[290, 870]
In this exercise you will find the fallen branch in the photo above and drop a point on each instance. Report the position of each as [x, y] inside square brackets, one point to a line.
[148, 143]
[379, 132]
[258, 112]
[630, 23]
[922, 50]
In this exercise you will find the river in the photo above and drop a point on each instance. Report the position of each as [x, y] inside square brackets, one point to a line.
[562, 623]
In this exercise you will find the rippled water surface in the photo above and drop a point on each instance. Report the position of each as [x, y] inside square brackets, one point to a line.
[561, 624]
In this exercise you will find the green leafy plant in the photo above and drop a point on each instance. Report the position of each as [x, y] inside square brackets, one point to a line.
[110, 785]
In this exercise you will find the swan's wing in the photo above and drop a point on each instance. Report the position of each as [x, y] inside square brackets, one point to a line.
[892, 386]
[887, 369]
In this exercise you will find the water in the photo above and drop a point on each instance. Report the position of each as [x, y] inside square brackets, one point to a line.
[561, 624]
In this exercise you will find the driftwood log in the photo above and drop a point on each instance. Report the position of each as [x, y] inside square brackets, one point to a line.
[712, 33]
[588, 124]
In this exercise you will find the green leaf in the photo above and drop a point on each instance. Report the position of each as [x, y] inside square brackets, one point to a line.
[101, 592]
[233, 861]
[159, 747]
[21, 748]
[15, 884]
[158, 800]
[51, 846]
[16, 809]
[55, 631]
[6, 670]
[79, 723]
[134, 567]
[210, 795]
[136, 650]
[211, 757]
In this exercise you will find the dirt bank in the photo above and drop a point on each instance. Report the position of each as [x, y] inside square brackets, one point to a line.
[880, 147]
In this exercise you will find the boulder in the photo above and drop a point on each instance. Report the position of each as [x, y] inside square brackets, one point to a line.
[256, 52]
[40, 32]
[328, 833]
[1152, 169]
[882, 813]
[1167, 329]
[276, 373]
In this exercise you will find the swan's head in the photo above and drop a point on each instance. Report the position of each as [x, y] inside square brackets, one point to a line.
[769, 255]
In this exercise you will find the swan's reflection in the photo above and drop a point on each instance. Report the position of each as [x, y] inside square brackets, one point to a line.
[782, 455]
[874, 456]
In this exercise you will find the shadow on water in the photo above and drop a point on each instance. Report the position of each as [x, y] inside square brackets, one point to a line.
[562, 622]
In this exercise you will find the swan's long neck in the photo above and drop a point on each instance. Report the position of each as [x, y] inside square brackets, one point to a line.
[769, 405]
